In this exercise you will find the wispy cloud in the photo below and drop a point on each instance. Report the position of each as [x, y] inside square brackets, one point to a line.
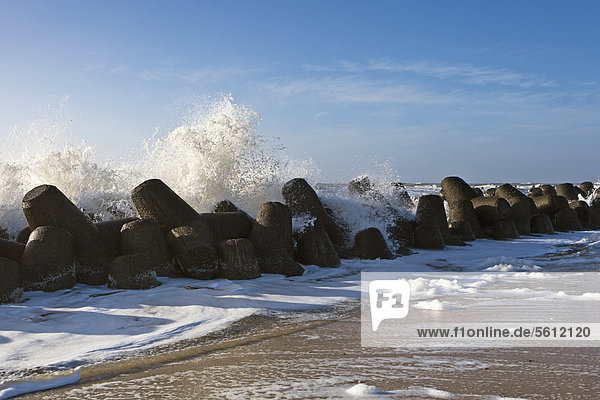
[318, 68]
[470, 73]
[404, 100]
[466, 73]
[587, 83]
[356, 90]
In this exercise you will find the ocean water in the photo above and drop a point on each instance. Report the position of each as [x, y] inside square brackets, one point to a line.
[218, 154]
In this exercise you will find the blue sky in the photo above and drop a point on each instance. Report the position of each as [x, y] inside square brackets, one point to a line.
[489, 90]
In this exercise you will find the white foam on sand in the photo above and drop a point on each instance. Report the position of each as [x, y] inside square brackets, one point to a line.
[435, 305]
[87, 324]
[511, 268]
[13, 389]
[362, 390]
[365, 391]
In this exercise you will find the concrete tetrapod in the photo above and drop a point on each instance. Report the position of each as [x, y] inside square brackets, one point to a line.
[47, 262]
[45, 205]
[271, 236]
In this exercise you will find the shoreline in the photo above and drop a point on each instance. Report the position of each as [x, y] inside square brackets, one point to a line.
[269, 324]
[246, 331]
[322, 358]
[255, 328]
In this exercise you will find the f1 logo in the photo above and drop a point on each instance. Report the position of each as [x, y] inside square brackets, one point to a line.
[389, 299]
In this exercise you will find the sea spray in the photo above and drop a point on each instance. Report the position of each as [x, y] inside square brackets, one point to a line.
[221, 156]
[218, 154]
[361, 212]
[100, 190]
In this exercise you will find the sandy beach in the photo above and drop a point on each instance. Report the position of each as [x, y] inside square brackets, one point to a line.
[319, 356]
[299, 199]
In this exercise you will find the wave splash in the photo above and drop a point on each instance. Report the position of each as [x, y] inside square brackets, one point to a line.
[217, 155]
[221, 156]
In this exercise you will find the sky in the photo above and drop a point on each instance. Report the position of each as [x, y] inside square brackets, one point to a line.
[493, 91]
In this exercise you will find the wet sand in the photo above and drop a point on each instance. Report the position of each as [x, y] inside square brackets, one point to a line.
[319, 356]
